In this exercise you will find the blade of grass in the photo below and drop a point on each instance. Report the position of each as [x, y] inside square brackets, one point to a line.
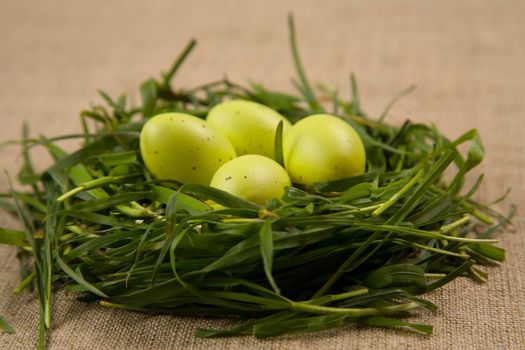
[306, 88]
[266, 243]
[78, 278]
[278, 144]
[13, 237]
[5, 327]
[394, 323]
[178, 63]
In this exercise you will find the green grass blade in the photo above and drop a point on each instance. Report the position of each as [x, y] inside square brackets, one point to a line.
[221, 197]
[394, 323]
[306, 88]
[489, 251]
[246, 328]
[100, 146]
[185, 202]
[107, 203]
[433, 174]
[266, 242]
[148, 92]
[13, 237]
[178, 62]
[403, 276]
[394, 100]
[5, 327]
[78, 278]
[356, 101]
[278, 144]
[451, 276]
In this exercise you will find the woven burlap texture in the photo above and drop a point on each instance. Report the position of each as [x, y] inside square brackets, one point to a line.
[467, 58]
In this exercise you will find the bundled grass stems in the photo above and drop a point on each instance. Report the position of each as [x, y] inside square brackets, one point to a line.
[362, 249]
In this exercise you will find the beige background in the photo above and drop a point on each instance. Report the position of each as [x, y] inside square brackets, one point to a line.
[467, 58]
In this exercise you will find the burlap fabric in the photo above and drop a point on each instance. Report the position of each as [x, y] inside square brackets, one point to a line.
[467, 58]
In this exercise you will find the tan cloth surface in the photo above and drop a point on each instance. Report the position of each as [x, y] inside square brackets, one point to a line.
[467, 58]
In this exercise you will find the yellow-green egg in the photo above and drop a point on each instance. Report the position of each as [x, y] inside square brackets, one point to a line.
[323, 147]
[252, 177]
[250, 126]
[181, 147]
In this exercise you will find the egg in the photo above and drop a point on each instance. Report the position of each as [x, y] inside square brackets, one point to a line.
[323, 147]
[181, 147]
[252, 177]
[250, 126]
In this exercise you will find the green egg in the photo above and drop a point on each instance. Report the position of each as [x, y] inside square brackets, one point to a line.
[323, 147]
[181, 147]
[252, 177]
[250, 126]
